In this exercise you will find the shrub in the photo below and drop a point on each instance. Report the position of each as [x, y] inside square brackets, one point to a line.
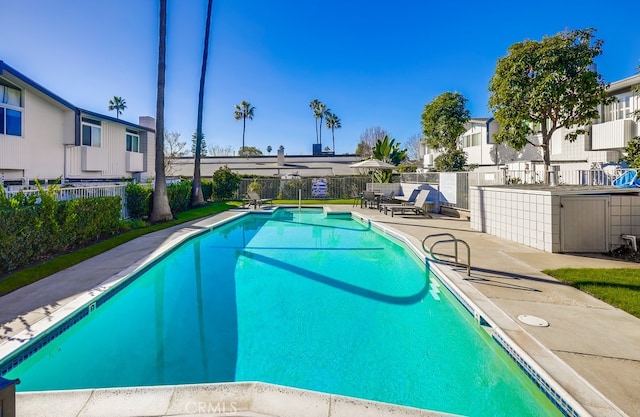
[138, 198]
[207, 189]
[225, 183]
[179, 194]
[33, 232]
[255, 186]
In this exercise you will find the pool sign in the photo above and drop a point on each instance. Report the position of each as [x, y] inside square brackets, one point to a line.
[319, 187]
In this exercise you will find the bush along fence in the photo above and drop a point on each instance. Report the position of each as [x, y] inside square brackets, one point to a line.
[36, 226]
[139, 197]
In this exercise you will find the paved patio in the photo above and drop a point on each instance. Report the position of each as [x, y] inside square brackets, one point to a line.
[589, 347]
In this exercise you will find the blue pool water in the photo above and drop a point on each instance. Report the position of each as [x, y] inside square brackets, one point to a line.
[295, 298]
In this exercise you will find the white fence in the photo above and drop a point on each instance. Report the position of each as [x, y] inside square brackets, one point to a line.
[82, 191]
[590, 177]
[557, 177]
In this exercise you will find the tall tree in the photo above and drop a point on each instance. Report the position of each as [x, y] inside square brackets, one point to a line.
[197, 198]
[194, 144]
[320, 112]
[444, 119]
[333, 122]
[549, 85]
[243, 111]
[174, 149]
[161, 211]
[368, 139]
[443, 122]
[118, 104]
[269, 149]
[313, 105]
[248, 151]
[413, 147]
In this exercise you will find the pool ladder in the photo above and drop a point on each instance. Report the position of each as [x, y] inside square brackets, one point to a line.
[453, 259]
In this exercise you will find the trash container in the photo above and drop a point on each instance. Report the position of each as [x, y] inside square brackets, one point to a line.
[553, 174]
[8, 397]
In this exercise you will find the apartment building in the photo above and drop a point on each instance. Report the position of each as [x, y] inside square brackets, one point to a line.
[45, 137]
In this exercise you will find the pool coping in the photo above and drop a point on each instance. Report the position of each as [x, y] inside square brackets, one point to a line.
[255, 399]
[504, 328]
[537, 361]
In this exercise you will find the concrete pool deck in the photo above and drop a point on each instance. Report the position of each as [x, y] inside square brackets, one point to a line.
[599, 343]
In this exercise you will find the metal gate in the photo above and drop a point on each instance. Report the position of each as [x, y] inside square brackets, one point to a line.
[584, 224]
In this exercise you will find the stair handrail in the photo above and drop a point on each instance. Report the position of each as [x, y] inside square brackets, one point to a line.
[454, 240]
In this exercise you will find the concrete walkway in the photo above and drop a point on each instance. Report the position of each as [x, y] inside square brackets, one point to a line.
[588, 344]
[599, 342]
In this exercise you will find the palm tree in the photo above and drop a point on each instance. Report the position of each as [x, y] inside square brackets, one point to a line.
[313, 105]
[161, 211]
[321, 112]
[118, 104]
[333, 122]
[243, 111]
[197, 199]
[269, 149]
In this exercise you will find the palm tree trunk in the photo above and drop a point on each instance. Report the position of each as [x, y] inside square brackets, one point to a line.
[161, 210]
[244, 126]
[316, 130]
[197, 199]
[320, 140]
[333, 139]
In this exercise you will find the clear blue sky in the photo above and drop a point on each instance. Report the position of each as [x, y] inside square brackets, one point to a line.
[372, 62]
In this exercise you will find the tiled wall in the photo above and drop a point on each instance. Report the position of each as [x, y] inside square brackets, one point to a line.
[625, 217]
[527, 217]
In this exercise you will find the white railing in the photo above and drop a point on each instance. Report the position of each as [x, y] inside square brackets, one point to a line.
[82, 191]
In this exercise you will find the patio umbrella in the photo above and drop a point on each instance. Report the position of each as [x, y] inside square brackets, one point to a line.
[372, 165]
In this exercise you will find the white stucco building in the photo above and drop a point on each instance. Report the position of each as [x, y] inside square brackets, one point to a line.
[44, 136]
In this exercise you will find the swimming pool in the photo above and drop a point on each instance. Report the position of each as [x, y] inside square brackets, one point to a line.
[294, 298]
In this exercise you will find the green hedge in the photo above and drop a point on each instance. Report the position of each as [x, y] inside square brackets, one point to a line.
[139, 197]
[31, 233]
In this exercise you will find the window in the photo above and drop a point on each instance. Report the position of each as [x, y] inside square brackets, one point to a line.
[133, 141]
[473, 139]
[91, 130]
[620, 109]
[10, 111]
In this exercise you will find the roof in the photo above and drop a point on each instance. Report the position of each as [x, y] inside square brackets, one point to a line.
[14, 75]
[624, 84]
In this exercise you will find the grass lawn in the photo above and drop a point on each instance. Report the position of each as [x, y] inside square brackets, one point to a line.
[618, 287]
[35, 273]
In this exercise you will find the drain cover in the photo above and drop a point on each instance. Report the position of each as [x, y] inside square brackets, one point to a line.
[533, 320]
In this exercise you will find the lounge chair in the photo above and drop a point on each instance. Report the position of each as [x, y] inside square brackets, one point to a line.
[254, 198]
[418, 207]
[401, 200]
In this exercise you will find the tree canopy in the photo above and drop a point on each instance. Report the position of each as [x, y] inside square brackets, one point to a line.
[547, 85]
[203, 144]
[247, 151]
[368, 139]
[243, 111]
[444, 119]
[118, 104]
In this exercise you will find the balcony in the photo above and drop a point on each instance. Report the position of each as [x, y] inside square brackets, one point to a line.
[612, 135]
[135, 162]
[93, 158]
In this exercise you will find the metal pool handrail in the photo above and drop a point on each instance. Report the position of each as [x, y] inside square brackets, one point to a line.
[452, 240]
